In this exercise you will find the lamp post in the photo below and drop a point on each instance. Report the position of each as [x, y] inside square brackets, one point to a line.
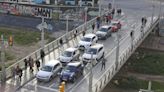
[2, 59]
[91, 74]
[42, 33]
[67, 17]
[99, 8]
[153, 6]
[117, 50]
[113, 4]
[86, 9]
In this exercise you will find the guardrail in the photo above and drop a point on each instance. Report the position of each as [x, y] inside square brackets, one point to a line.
[109, 74]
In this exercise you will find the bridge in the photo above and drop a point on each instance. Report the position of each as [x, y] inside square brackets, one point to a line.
[118, 48]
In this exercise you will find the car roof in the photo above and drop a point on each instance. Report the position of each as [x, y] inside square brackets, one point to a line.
[97, 46]
[114, 21]
[90, 35]
[105, 26]
[74, 64]
[52, 62]
[71, 49]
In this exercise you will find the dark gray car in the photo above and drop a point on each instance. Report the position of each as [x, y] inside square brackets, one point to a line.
[104, 32]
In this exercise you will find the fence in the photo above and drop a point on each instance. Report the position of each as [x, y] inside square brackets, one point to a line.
[111, 71]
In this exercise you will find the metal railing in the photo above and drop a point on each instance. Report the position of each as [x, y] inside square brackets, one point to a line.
[111, 71]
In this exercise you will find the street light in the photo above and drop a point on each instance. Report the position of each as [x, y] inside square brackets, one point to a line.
[3, 60]
[86, 9]
[67, 17]
[42, 33]
[113, 4]
[91, 74]
[153, 7]
[117, 50]
[99, 8]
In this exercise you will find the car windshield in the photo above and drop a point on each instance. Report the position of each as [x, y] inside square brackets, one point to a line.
[114, 23]
[67, 54]
[86, 39]
[103, 30]
[46, 68]
[70, 68]
[91, 50]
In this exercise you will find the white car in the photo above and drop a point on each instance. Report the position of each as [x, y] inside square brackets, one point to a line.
[49, 70]
[95, 52]
[69, 55]
[104, 32]
[87, 41]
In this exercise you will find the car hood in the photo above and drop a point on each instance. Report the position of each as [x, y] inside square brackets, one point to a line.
[84, 43]
[65, 59]
[88, 56]
[100, 32]
[44, 73]
[67, 73]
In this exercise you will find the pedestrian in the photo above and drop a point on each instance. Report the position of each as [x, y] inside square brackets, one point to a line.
[61, 44]
[31, 64]
[93, 26]
[103, 63]
[113, 12]
[42, 55]
[37, 62]
[131, 34]
[98, 25]
[83, 33]
[17, 70]
[107, 19]
[25, 63]
[20, 73]
[145, 20]
[142, 20]
[75, 34]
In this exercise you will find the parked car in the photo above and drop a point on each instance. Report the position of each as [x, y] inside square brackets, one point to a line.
[104, 32]
[69, 55]
[49, 70]
[95, 52]
[72, 71]
[116, 25]
[87, 41]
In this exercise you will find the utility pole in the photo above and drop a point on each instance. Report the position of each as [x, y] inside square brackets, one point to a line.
[42, 33]
[3, 60]
[99, 8]
[86, 9]
[67, 17]
[117, 50]
[113, 4]
[153, 6]
[91, 74]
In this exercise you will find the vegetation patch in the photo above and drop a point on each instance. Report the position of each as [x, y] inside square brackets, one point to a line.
[132, 83]
[147, 62]
[22, 36]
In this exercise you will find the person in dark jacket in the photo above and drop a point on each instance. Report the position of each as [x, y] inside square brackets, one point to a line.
[37, 62]
[42, 55]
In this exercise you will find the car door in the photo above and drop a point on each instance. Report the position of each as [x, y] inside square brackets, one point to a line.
[109, 31]
[99, 53]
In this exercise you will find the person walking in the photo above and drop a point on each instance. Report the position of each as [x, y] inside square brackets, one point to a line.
[25, 63]
[20, 73]
[83, 33]
[17, 71]
[93, 27]
[31, 64]
[37, 62]
[103, 63]
[42, 55]
[75, 34]
[13, 71]
[61, 45]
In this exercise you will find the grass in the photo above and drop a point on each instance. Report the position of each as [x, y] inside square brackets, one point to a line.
[21, 36]
[147, 62]
[133, 83]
